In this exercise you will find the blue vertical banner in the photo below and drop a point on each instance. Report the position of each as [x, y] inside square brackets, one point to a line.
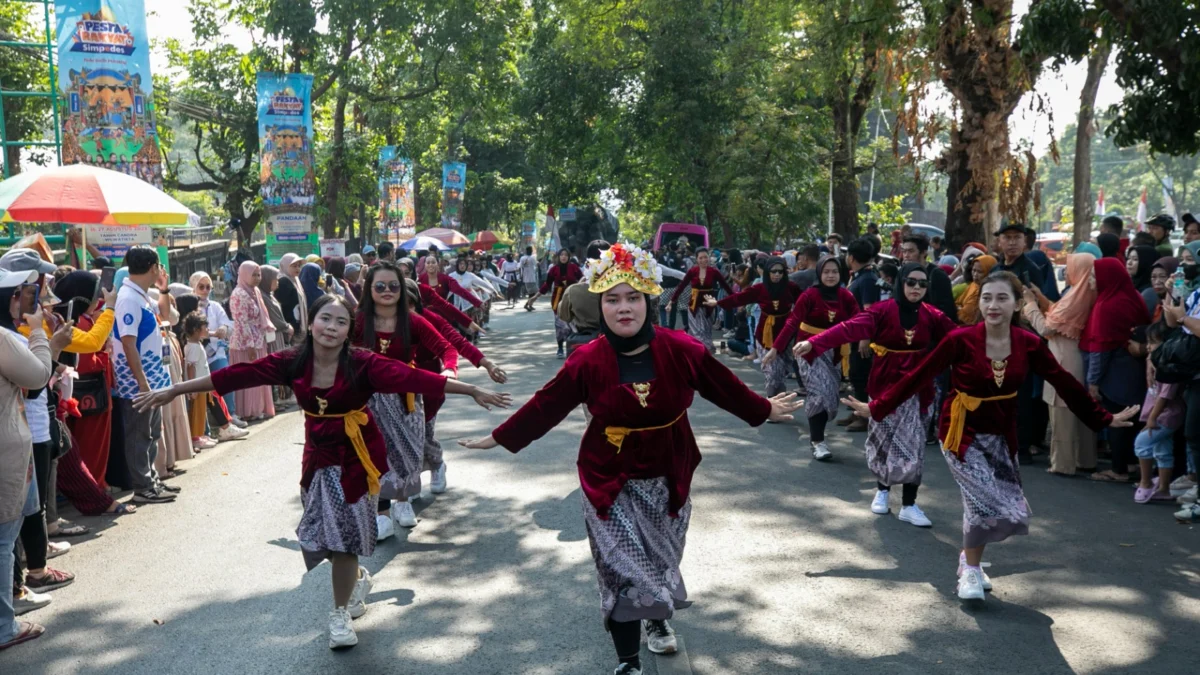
[105, 86]
[397, 219]
[454, 186]
[289, 187]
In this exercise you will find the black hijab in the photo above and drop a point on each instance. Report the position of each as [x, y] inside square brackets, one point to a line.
[77, 291]
[1109, 244]
[909, 311]
[1147, 256]
[562, 266]
[775, 289]
[624, 345]
[828, 293]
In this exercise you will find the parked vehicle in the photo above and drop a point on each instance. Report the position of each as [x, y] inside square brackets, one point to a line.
[1056, 246]
[668, 233]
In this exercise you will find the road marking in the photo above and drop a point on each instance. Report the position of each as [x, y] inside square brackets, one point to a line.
[674, 664]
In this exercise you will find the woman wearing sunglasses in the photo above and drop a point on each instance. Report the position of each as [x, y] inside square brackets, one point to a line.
[901, 331]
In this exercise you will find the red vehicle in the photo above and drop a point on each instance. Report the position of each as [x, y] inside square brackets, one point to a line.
[697, 235]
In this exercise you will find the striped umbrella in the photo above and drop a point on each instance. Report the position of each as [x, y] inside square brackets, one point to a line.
[87, 195]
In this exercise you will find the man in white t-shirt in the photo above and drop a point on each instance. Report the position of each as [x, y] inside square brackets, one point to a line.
[529, 271]
[139, 366]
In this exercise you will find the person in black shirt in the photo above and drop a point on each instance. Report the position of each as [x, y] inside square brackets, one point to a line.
[1012, 250]
[914, 249]
[864, 285]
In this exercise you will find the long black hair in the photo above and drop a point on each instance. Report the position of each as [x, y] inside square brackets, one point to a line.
[366, 306]
[414, 297]
[304, 352]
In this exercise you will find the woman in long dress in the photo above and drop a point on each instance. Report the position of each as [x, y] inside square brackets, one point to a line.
[248, 342]
[638, 455]
[704, 282]
[220, 328]
[281, 336]
[988, 362]
[901, 330]
[823, 306]
[343, 446]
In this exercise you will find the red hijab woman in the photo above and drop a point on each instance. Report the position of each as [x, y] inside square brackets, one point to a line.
[1118, 310]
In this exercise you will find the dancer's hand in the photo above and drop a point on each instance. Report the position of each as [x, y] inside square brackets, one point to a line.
[782, 407]
[669, 306]
[801, 349]
[769, 357]
[861, 409]
[864, 349]
[487, 398]
[148, 400]
[710, 301]
[475, 329]
[1125, 417]
[494, 371]
[478, 443]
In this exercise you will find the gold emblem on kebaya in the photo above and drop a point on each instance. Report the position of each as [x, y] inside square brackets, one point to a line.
[383, 345]
[909, 335]
[832, 315]
[321, 405]
[775, 304]
[642, 389]
[998, 370]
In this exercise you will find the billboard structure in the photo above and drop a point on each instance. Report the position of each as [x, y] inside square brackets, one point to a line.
[454, 187]
[289, 187]
[397, 217]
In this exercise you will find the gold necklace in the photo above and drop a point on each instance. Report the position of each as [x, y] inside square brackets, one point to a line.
[998, 369]
[642, 389]
[321, 405]
[909, 335]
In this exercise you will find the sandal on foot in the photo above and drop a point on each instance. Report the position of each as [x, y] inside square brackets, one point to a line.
[26, 631]
[122, 509]
[70, 531]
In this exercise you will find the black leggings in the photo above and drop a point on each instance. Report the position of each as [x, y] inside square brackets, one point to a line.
[816, 426]
[33, 529]
[627, 638]
[908, 494]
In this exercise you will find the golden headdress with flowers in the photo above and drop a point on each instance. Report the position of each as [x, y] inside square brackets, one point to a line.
[622, 264]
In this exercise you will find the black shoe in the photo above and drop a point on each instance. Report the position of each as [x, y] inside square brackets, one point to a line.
[561, 354]
[151, 496]
[173, 489]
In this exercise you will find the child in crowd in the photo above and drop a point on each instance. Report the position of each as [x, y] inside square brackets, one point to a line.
[205, 405]
[1163, 413]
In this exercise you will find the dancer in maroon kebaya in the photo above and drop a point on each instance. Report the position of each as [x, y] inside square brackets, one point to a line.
[703, 281]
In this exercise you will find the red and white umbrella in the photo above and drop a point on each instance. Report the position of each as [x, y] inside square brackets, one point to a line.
[87, 195]
[451, 238]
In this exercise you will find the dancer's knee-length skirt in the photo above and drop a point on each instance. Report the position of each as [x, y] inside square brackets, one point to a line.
[776, 372]
[404, 436]
[821, 382]
[432, 455]
[700, 325]
[994, 506]
[896, 446]
[637, 553]
[562, 329]
[330, 525]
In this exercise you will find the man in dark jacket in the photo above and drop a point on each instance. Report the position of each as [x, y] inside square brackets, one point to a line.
[1012, 255]
[914, 249]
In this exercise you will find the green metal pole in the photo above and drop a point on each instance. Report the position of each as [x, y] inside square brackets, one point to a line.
[53, 82]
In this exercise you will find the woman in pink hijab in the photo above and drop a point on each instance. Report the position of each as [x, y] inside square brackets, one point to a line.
[252, 333]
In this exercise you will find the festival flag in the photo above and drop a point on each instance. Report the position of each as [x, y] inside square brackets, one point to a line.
[454, 186]
[1168, 186]
[1142, 212]
[396, 212]
[1100, 204]
[289, 187]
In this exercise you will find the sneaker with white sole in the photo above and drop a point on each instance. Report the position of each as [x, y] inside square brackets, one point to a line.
[237, 422]
[660, 637]
[1189, 497]
[821, 451]
[627, 669]
[384, 527]
[358, 597]
[962, 565]
[231, 433]
[879, 505]
[26, 600]
[57, 548]
[403, 514]
[437, 480]
[1188, 514]
[913, 515]
[341, 629]
[1181, 485]
[970, 584]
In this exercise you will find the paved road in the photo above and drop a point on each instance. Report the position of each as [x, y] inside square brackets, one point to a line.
[790, 571]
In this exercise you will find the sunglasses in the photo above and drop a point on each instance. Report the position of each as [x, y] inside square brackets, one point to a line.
[393, 286]
[776, 271]
[916, 283]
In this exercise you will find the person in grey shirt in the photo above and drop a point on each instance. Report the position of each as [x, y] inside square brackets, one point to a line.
[806, 260]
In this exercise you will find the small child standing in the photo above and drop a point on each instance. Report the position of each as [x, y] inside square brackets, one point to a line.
[205, 405]
[1163, 412]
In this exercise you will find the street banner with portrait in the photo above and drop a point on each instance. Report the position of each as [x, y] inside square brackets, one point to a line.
[289, 187]
[454, 187]
[397, 218]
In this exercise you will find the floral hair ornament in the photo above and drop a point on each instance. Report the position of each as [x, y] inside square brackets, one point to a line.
[622, 264]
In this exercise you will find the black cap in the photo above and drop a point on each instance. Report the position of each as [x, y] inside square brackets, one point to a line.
[1162, 220]
[1188, 219]
[1010, 227]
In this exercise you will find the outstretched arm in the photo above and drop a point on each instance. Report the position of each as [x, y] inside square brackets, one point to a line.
[930, 367]
[860, 327]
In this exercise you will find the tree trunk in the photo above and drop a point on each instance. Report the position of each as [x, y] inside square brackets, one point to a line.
[337, 169]
[1084, 131]
[954, 163]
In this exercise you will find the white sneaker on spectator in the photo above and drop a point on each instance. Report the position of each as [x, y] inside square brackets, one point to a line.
[914, 515]
[341, 629]
[1189, 497]
[57, 548]
[879, 505]
[384, 527]
[204, 443]
[27, 601]
[358, 597]
[970, 584]
[237, 422]
[437, 480]
[821, 451]
[403, 514]
[1181, 485]
[231, 433]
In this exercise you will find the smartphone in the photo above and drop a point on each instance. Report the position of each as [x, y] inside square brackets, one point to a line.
[106, 278]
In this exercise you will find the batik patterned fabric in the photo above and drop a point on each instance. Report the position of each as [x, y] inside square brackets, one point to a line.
[404, 435]
[776, 372]
[994, 506]
[700, 324]
[821, 381]
[329, 524]
[896, 446]
[637, 552]
[433, 448]
[562, 329]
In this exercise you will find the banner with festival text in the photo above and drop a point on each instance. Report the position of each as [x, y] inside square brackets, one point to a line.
[454, 187]
[397, 217]
[289, 187]
[105, 87]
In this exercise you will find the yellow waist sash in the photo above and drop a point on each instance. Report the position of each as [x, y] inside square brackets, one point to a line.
[557, 297]
[880, 350]
[768, 338]
[354, 421]
[962, 404]
[844, 351]
[616, 435]
[698, 293]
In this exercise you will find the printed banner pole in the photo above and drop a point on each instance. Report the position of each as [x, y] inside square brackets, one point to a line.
[396, 211]
[285, 142]
[454, 187]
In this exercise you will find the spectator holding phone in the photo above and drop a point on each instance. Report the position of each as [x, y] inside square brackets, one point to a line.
[1011, 238]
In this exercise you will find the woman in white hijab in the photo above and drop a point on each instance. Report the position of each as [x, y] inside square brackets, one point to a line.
[290, 295]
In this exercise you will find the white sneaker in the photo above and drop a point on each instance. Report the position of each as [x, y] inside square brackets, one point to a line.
[1189, 497]
[437, 480]
[1181, 485]
[358, 597]
[660, 637]
[231, 433]
[879, 505]
[26, 601]
[987, 581]
[913, 514]
[403, 514]
[383, 527]
[970, 585]
[341, 629]
[626, 669]
[237, 422]
[821, 451]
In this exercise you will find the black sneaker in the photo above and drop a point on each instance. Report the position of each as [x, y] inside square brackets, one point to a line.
[561, 354]
[173, 489]
[151, 496]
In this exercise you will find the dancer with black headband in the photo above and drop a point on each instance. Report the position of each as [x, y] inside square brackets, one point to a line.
[638, 455]
[819, 308]
[775, 297]
[558, 278]
[703, 280]
[901, 331]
